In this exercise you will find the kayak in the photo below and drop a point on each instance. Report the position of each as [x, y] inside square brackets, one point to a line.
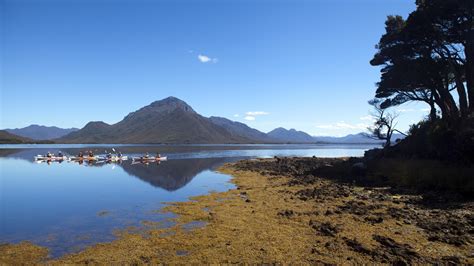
[52, 158]
[116, 158]
[150, 159]
[86, 158]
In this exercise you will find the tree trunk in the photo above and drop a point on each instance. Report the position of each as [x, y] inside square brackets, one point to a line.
[389, 137]
[431, 102]
[451, 111]
[469, 52]
[463, 107]
[440, 104]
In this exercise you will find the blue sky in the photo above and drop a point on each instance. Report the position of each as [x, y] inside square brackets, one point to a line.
[296, 64]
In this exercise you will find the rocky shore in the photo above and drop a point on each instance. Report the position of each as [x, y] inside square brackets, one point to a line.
[444, 221]
[293, 210]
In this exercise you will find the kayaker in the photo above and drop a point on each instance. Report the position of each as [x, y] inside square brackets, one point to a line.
[80, 155]
[119, 154]
[158, 155]
[49, 155]
[146, 156]
[91, 154]
[109, 155]
[60, 154]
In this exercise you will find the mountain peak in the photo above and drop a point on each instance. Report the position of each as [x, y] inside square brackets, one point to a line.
[291, 135]
[161, 107]
[97, 123]
[169, 104]
[278, 129]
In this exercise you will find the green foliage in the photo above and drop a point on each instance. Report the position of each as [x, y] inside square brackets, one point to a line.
[438, 140]
[423, 174]
[428, 56]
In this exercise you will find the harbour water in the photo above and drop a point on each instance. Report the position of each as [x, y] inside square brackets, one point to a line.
[67, 206]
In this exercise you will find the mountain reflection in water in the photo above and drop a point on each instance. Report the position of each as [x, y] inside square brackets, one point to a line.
[169, 175]
[174, 174]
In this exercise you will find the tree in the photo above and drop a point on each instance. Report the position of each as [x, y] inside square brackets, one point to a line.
[384, 123]
[451, 28]
[428, 57]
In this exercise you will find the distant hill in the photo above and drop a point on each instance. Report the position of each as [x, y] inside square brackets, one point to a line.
[170, 120]
[37, 132]
[359, 138]
[8, 138]
[290, 136]
[241, 129]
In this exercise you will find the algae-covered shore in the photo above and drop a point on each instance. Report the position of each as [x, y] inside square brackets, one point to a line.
[290, 211]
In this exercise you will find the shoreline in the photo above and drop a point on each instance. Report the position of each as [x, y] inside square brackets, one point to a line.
[278, 213]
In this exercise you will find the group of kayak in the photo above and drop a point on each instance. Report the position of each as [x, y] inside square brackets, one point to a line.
[91, 157]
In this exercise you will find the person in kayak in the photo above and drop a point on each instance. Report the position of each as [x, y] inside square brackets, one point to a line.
[109, 156]
[91, 154]
[60, 154]
[49, 155]
[80, 155]
[158, 155]
[146, 156]
[119, 154]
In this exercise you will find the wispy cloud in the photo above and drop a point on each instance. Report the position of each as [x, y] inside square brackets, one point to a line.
[343, 125]
[250, 116]
[236, 115]
[206, 59]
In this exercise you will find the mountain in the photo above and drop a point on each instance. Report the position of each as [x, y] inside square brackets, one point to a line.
[93, 132]
[8, 138]
[359, 138]
[170, 120]
[241, 129]
[37, 132]
[290, 136]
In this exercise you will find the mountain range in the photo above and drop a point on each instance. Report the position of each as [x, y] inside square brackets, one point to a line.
[9, 138]
[172, 121]
[37, 132]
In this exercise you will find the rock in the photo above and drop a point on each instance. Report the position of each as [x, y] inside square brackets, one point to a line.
[326, 228]
[393, 251]
[330, 245]
[374, 219]
[357, 246]
[286, 213]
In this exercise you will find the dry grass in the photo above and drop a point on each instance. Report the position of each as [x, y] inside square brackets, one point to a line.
[244, 226]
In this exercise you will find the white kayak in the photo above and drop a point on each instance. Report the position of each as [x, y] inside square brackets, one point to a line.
[52, 158]
[86, 158]
[150, 159]
[116, 158]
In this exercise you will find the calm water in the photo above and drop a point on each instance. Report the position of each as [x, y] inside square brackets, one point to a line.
[67, 206]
